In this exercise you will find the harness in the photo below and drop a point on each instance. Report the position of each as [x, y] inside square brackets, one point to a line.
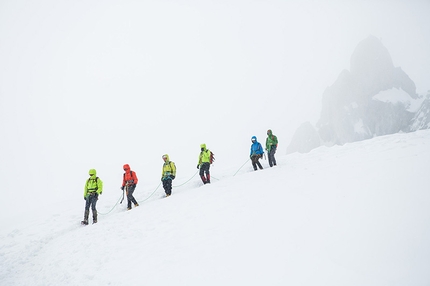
[129, 182]
[97, 185]
[171, 168]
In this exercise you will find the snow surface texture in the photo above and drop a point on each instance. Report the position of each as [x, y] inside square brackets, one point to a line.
[356, 214]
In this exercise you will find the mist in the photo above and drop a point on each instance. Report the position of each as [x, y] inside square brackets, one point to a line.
[97, 84]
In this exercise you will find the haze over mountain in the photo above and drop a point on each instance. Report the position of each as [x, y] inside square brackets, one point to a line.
[373, 98]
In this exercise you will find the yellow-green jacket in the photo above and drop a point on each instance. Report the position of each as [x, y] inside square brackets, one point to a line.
[205, 155]
[169, 168]
[93, 184]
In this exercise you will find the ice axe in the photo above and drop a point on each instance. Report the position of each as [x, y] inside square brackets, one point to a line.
[122, 196]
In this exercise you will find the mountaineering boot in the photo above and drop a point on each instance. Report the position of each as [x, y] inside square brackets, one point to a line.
[203, 179]
[94, 217]
[208, 176]
[136, 204]
[86, 214]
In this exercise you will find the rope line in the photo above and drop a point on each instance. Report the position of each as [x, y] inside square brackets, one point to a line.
[141, 201]
[186, 181]
[151, 194]
[111, 208]
[241, 167]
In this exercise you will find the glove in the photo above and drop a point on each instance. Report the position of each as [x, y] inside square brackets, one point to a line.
[172, 177]
[198, 166]
[122, 188]
[85, 198]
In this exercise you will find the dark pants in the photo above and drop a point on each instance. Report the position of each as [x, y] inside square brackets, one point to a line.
[204, 169]
[167, 185]
[130, 198]
[255, 162]
[91, 201]
[271, 155]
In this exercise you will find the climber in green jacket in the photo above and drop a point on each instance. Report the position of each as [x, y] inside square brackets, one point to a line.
[93, 188]
[271, 145]
[204, 164]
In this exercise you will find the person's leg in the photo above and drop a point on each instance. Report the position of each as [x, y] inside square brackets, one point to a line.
[168, 187]
[132, 199]
[273, 151]
[208, 174]
[253, 160]
[129, 197]
[258, 162]
[269, 155]
[87, 210]
[201, 173]
[93, 200]
[164, 186]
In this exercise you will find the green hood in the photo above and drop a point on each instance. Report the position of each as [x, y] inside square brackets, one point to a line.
[92, 172]
[167, 157]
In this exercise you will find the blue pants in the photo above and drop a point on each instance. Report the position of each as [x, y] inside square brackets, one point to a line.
[91, 201]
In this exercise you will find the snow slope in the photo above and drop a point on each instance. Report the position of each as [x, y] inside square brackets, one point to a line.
[356, 214]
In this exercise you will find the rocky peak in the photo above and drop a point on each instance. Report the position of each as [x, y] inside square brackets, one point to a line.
[351, 109]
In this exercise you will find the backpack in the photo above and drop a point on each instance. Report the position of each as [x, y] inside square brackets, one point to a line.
[212, 158]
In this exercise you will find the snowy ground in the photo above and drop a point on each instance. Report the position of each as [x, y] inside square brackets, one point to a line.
[352, 215]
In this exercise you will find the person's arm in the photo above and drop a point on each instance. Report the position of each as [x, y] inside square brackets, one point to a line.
[135, 180]
[99, 186]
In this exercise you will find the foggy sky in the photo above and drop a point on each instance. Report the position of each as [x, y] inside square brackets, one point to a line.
[97, 84]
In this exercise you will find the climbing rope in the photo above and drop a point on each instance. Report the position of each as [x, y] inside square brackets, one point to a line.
[111, 208]
[241, 167]
[141, 201]
[151, 194]
[186, 181]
